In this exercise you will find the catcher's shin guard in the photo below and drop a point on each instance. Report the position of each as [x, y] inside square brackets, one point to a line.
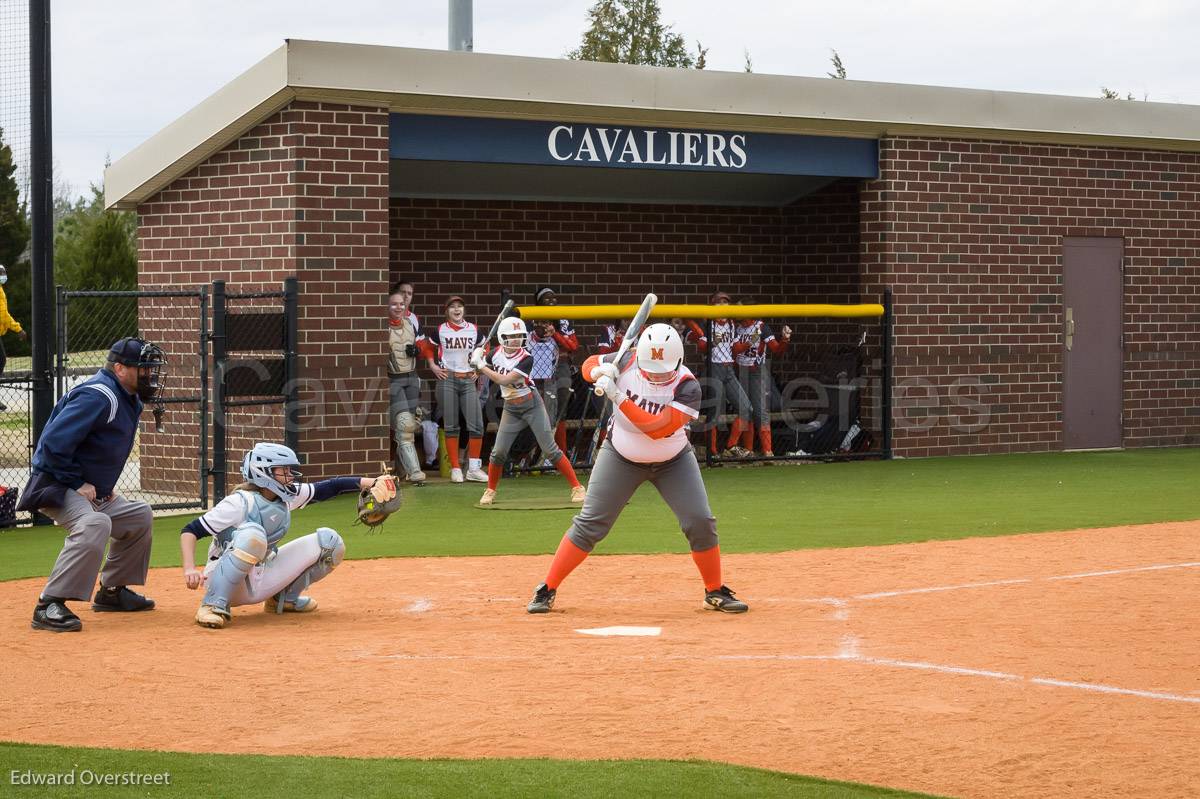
[333, 549]
[406, 428]
[248, 548]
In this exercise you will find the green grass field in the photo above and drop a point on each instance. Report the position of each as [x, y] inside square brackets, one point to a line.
[768, 509]
[194, 775]
[759, 510]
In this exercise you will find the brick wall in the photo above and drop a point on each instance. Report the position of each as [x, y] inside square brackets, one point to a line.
[303, 193]
[970, 236]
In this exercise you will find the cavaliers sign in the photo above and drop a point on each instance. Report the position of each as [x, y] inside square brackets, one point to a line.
[423, 137]
[614, 146]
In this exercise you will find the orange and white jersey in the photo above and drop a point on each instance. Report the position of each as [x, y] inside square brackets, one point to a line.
[682, 393]
[521, 362]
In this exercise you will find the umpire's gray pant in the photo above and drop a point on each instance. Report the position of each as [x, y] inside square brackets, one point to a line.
[89, 528]
[455, 393]
[613, 481]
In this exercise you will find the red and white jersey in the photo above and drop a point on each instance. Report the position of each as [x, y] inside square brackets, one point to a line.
[520, 362]
[720, 337]
[756, 336]
[682, 393]
[455, 343]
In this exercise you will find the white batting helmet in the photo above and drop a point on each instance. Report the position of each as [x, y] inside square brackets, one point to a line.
[659, 353]
[512, 332]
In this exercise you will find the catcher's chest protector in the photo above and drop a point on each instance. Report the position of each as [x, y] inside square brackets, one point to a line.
[274, 516]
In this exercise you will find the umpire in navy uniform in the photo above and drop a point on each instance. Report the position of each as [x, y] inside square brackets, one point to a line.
[78, 459]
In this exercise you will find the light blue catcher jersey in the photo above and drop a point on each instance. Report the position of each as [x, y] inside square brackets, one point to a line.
[241, 507]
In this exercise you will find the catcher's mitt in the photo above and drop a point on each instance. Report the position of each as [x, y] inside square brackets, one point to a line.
[379, 501]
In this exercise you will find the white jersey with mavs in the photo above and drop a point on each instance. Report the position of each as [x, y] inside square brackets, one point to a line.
[455, 343]
[682, 393]
[520, 362]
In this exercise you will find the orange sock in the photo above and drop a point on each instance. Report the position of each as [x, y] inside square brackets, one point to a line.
[564, 468]
[709, 564]
[764, 438]
[712, 440]
[452, 451]
[735, 432]
[748, 438]
[560, 435]
[495, 470]
[565, 560]
[474, 447]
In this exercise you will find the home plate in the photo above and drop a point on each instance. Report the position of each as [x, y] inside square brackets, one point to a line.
[643, 631]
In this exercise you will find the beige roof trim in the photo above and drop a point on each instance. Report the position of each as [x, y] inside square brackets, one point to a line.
[478, 84]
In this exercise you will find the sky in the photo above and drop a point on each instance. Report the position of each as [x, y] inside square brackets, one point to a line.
[124, 70]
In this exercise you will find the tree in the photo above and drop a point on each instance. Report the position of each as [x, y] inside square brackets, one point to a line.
[631, 32]
[1108, 94]
[95, 249]
[14, 219]
[839, 70]
[749, 65]
[14, 244]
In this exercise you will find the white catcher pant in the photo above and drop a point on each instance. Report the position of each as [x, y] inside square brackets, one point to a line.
[269, 578]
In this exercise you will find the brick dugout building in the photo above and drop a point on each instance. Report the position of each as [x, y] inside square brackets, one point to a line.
[1043, 251]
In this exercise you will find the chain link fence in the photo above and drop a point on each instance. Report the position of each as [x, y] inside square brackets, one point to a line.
[164, 468]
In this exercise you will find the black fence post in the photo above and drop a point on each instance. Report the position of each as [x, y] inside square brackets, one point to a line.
[714, 415]
[41, 210]
[886, 335]
[61, 356]
[291, 388]
[219, 462]
[203, 351]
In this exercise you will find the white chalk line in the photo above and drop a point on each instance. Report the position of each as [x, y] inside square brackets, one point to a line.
[1015, 581]
[1126, 571]
[847, 653]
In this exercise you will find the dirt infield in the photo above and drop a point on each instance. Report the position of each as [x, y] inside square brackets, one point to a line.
[1059, 664]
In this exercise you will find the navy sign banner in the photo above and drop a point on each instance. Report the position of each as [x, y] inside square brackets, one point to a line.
[507, 141]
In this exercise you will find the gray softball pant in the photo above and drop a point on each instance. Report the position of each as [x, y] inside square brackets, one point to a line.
[455, 393]
[516, 417]
[556, 391]
[613, 481]
[724, 384]
[89, 529]
[756, 381]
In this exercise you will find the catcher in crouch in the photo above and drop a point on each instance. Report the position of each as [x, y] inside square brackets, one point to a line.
[654, 397]
[508, 366]
[245, 564]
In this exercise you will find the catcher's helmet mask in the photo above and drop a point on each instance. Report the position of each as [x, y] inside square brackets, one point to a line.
[258, 467]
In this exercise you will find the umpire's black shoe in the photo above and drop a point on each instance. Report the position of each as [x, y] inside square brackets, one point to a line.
[52, 614]
[723, 600]
[120, 600]
[543, 600]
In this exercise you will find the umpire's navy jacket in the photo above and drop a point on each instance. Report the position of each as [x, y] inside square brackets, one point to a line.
[87, 440]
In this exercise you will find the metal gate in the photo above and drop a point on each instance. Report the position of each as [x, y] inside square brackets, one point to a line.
[167, 467]
[255, 391]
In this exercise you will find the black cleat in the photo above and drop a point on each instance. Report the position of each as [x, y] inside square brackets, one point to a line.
[723, 600]
[120, 600]
[543, 600]
[53, 615]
